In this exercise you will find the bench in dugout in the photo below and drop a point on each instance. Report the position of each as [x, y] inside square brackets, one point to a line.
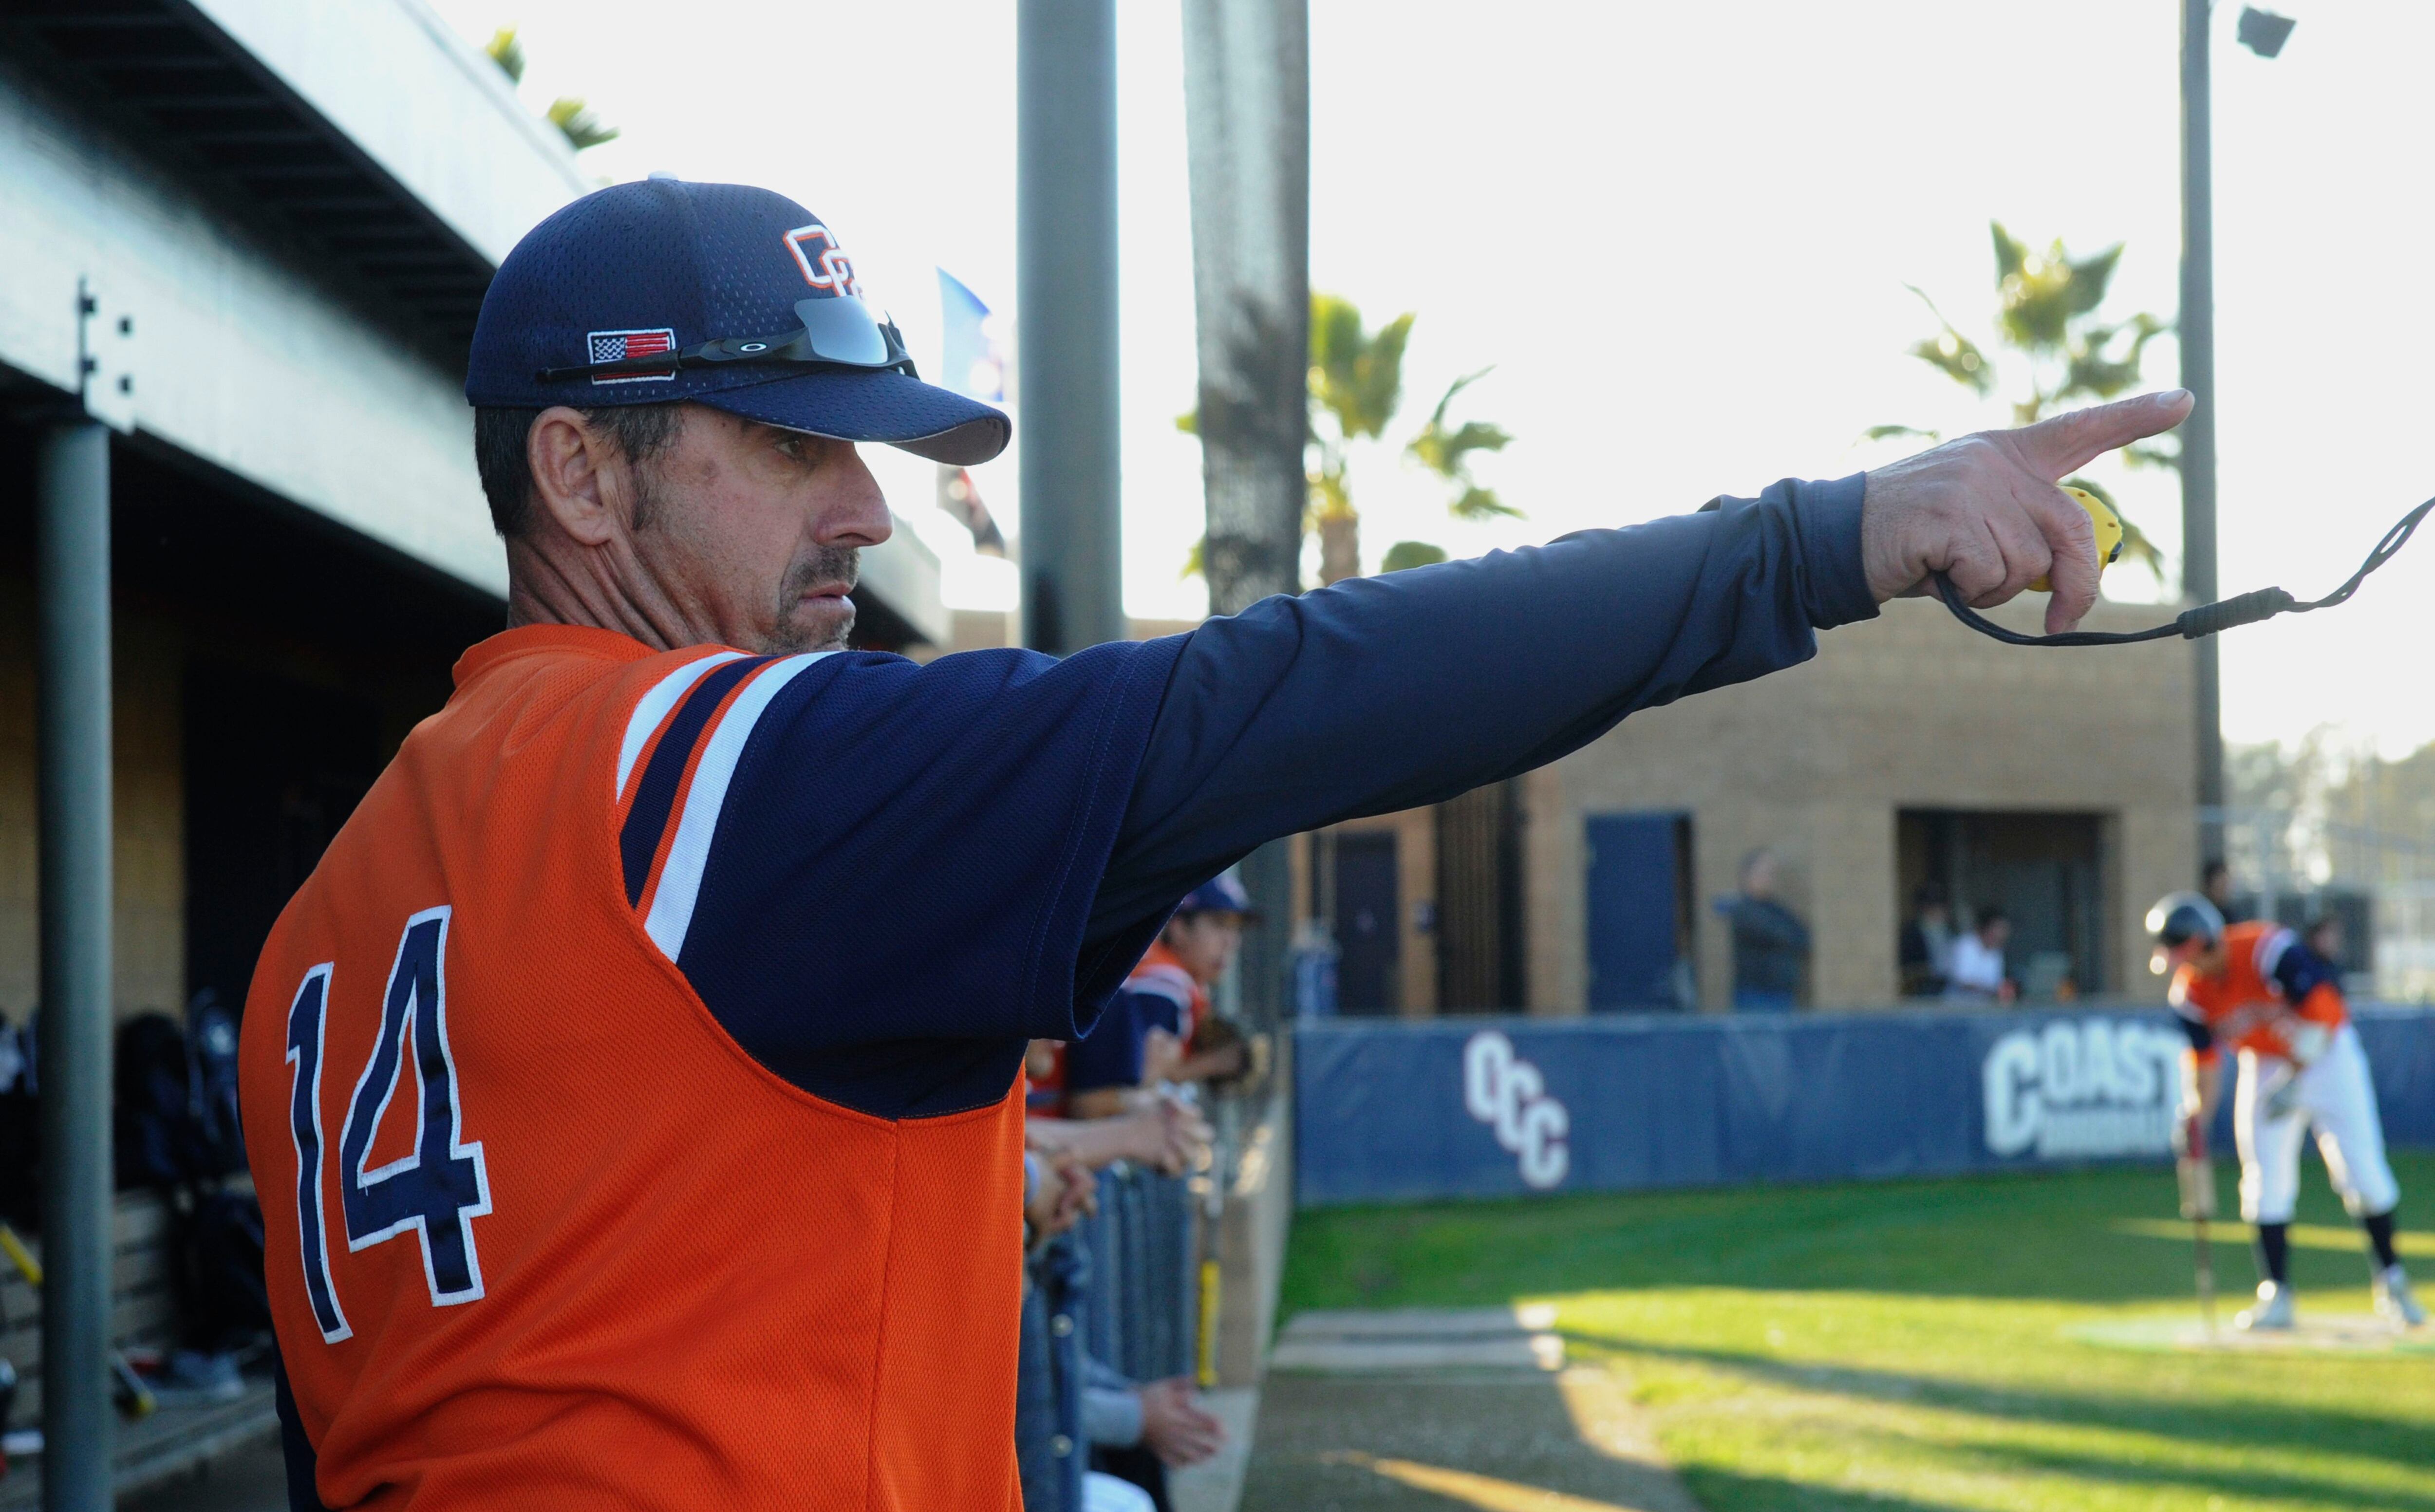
[180, 1436]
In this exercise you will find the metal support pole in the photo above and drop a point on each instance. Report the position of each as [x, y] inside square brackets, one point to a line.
[1247, 130]
[72, 555]
[1066, 275]
[2197, 337]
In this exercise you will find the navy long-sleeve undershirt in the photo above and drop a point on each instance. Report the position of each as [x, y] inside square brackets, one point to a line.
[861, 799]
[1387, 692]
[916, 868]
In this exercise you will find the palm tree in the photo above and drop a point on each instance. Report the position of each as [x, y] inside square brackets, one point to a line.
[1356, 385]
[1356, 381]
[2046, 310]
[1447, 454]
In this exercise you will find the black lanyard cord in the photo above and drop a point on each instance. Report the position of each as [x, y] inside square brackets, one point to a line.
[2206, 619]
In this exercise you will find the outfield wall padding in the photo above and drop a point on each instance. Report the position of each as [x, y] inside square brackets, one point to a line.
[1390, 1110]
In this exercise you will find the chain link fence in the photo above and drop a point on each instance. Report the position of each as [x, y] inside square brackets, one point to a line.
[2298, 866]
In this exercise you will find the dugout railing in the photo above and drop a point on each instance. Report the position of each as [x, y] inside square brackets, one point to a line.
[1140, 1309]
[1121, 1288]
[1174, 1276]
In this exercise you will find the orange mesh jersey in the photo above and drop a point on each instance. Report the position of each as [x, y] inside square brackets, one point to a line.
[2267, 973]
[632, 1090]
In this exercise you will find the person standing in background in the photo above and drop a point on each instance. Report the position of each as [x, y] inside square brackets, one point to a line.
[1160, 1026]
[2215, 882]
[1925, 950]
[1771, 943]
[1976, 973]
[2325, 939]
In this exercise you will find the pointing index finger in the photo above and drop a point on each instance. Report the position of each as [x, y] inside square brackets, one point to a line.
[2056, 448]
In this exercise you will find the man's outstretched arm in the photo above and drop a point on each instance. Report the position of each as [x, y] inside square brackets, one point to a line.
[1387, 692]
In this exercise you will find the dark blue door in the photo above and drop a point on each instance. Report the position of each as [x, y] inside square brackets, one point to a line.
[1635, 908]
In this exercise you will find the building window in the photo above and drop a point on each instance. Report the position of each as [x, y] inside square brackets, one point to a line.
[2046, 872]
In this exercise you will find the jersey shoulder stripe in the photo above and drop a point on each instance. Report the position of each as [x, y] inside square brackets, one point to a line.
[679, 885]
[2271, 946]
[1169, 982]
[653, 712]
[671, 759]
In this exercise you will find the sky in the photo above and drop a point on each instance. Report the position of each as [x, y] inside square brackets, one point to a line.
[1679, 235]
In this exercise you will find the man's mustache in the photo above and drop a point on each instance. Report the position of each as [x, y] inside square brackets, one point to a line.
[826, 564]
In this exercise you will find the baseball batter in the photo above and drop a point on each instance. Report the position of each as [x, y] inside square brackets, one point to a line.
[634, 1089]
[2256, 990]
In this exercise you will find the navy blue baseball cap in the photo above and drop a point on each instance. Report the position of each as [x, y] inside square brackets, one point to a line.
[1221, 894]
[721, 293]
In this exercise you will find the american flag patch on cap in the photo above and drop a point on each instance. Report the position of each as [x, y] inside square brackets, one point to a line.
[618, 346]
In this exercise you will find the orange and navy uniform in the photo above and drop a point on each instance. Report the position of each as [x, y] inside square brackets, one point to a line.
[1159, 994]
[624, 1137]
[633, 1088]
[2266, 975]
[1163, 974]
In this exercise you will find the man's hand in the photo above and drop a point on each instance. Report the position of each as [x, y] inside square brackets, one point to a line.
[1159, 1131]
[2305, 1039]
[1181, 1138]
[1066, 1191]
[1985, 510]
[1161, 1053]
[1175, 1426]
[2191, 1167]
[1080, 1198]
[2196, 1175]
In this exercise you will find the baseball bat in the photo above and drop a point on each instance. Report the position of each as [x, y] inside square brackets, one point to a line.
[2195, 1174]
[2206, 1275]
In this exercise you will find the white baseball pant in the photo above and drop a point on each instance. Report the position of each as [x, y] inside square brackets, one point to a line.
[2333, 1095]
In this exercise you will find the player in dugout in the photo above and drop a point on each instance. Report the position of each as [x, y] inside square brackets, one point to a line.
[634, 1087]
[2258, 990]
[1159, 1027]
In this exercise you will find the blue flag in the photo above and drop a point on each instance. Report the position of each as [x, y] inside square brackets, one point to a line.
[969, 360]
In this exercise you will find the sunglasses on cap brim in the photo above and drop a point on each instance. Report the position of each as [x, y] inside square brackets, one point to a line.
[838, 331]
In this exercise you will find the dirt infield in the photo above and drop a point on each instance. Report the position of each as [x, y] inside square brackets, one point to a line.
[2334, 1334]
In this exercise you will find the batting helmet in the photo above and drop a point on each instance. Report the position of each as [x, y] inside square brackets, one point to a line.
[2181, 917]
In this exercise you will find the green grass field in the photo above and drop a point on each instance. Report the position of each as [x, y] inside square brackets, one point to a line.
[1903, 1345]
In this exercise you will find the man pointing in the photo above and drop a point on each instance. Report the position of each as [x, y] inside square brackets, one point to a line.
[632, 1089]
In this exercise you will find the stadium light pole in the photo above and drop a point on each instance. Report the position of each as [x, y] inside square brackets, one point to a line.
[1065, 280]
[2263, 33]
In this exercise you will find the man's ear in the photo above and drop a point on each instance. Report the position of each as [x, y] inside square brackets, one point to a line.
[579, 478]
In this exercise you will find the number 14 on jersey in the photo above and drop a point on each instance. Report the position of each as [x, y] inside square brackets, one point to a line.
[436, 1191]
